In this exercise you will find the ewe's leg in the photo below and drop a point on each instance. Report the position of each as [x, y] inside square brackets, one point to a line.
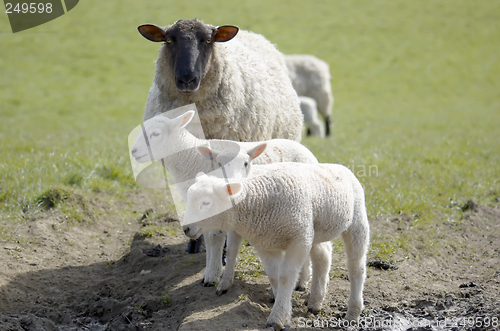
[195, 246]
[281, 314]
[321, 257]
[214, 241]
[356, 244]
[233, 247]
[305, 274]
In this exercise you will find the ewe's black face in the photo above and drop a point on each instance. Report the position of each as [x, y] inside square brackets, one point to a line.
[189, 46]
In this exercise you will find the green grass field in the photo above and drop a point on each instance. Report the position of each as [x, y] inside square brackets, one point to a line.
[416, 88]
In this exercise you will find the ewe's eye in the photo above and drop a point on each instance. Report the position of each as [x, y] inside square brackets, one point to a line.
[246, 164]
[154, 134]
[209, 40]
[168, 40]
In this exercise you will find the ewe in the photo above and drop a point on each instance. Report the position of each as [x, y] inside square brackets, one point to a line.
[170, 142]
[240, 86]
[295, 209]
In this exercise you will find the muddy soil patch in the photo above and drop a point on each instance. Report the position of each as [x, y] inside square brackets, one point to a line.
[105, 275]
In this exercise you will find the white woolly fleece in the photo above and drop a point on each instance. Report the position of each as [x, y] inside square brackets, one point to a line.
[246, 94]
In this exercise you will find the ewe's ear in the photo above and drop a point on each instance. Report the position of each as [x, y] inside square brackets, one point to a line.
[225, 33]
[152, 32]
[256, 151]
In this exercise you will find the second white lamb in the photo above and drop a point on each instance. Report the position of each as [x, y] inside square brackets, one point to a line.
[295, 209]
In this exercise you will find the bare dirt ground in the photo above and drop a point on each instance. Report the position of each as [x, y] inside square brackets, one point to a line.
[103, 275]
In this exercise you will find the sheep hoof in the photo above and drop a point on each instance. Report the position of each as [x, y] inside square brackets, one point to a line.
[208, 284]
[276, 327]
[313, 311]
[306, 300]
[300, 288]
[220, 292]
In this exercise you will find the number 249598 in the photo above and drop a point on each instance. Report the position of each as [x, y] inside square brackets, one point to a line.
[31, 8]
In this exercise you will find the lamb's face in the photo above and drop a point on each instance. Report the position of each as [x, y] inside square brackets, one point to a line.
[158, 133]
[234, 166]
[206, 198]
[152, 135]
[189, 47]
[236, 163]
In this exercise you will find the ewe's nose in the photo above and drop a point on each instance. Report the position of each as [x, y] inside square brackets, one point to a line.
[186, 230]
[134, 150]
[187, 83]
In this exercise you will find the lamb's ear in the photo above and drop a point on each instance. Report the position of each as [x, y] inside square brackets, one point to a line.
[234, 189]
[152, 32]
[225, 33]
[256, 151]
[205, 151]
[183, 120]
[200, 175]
[187, 117]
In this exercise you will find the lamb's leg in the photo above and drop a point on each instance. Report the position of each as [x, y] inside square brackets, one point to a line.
[272, 261]
[214, 242]
[233, 246]
[356, 244]
[321, 257]
[288, 273]
[305, 274]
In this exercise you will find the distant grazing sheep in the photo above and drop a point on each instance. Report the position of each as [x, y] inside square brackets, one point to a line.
[310, 112]
[311, 78]
[295, 209]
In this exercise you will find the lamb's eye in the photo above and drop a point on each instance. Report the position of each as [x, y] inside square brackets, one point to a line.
[209, 40]
[168, 40]
[205, 205]
[154, 134]
[246, 164]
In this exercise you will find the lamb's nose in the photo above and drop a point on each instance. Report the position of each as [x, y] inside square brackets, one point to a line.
[134, 151]
[186, 230]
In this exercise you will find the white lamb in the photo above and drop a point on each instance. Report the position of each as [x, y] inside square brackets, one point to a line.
[238, 81]
[311, 78]
[310, 111]
[169, 141]
[295, 209]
